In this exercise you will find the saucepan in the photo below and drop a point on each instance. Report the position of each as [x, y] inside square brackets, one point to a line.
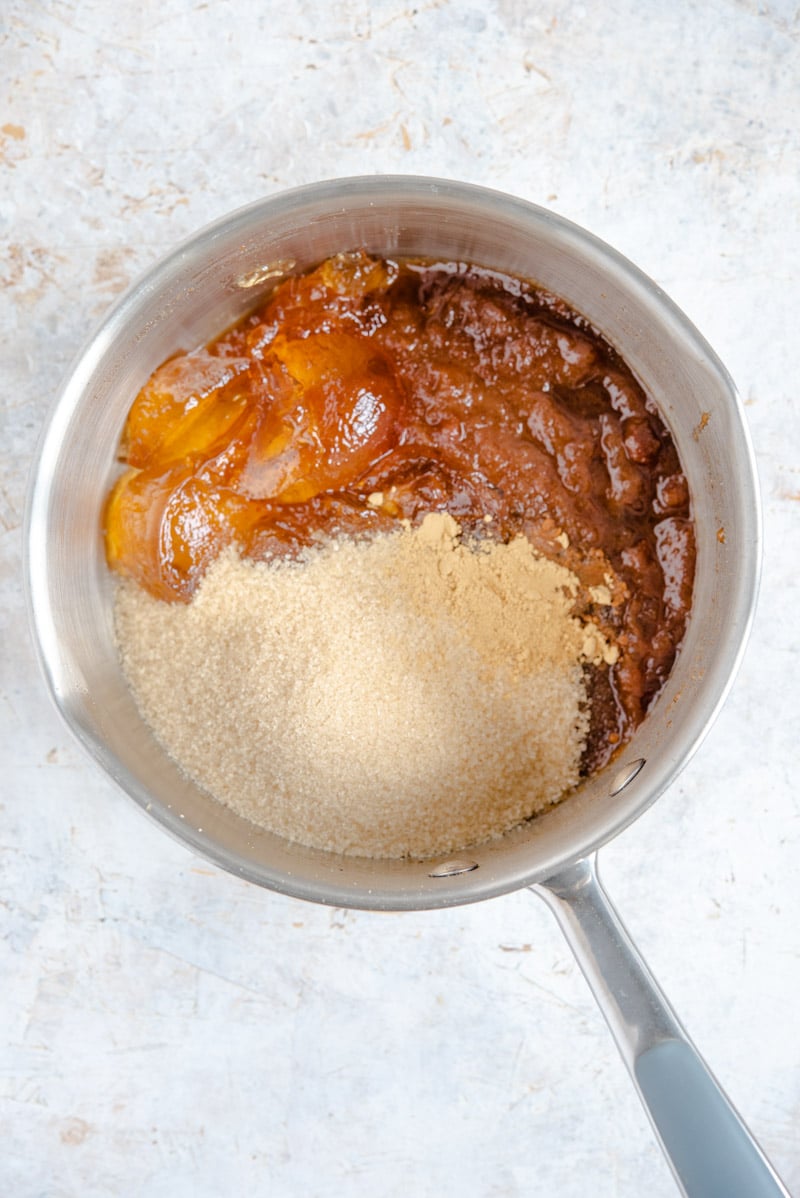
[203, 286]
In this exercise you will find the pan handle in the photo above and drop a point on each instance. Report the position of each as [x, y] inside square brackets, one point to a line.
[709, 1149]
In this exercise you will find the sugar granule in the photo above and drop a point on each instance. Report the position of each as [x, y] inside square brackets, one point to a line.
[404, 695]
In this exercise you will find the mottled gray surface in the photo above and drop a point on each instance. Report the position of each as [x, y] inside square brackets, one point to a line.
[169, 1030]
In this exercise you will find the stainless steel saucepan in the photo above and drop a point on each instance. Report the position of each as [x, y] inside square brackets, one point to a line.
[199, 289]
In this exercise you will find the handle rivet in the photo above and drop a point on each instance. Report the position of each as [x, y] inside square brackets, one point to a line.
[626, 775]
[449, 869]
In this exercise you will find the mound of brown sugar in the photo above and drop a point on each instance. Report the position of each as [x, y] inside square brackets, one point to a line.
[405, 695]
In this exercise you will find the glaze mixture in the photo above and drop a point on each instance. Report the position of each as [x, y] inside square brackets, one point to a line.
[366, 395]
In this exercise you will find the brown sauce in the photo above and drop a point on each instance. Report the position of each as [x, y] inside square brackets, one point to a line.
[367, 392]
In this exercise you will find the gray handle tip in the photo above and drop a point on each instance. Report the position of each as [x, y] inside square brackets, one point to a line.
[711, 1153]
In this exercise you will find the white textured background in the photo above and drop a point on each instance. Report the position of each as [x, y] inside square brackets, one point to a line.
[168, 1030]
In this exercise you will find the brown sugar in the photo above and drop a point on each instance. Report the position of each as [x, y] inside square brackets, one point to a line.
[404, 694]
